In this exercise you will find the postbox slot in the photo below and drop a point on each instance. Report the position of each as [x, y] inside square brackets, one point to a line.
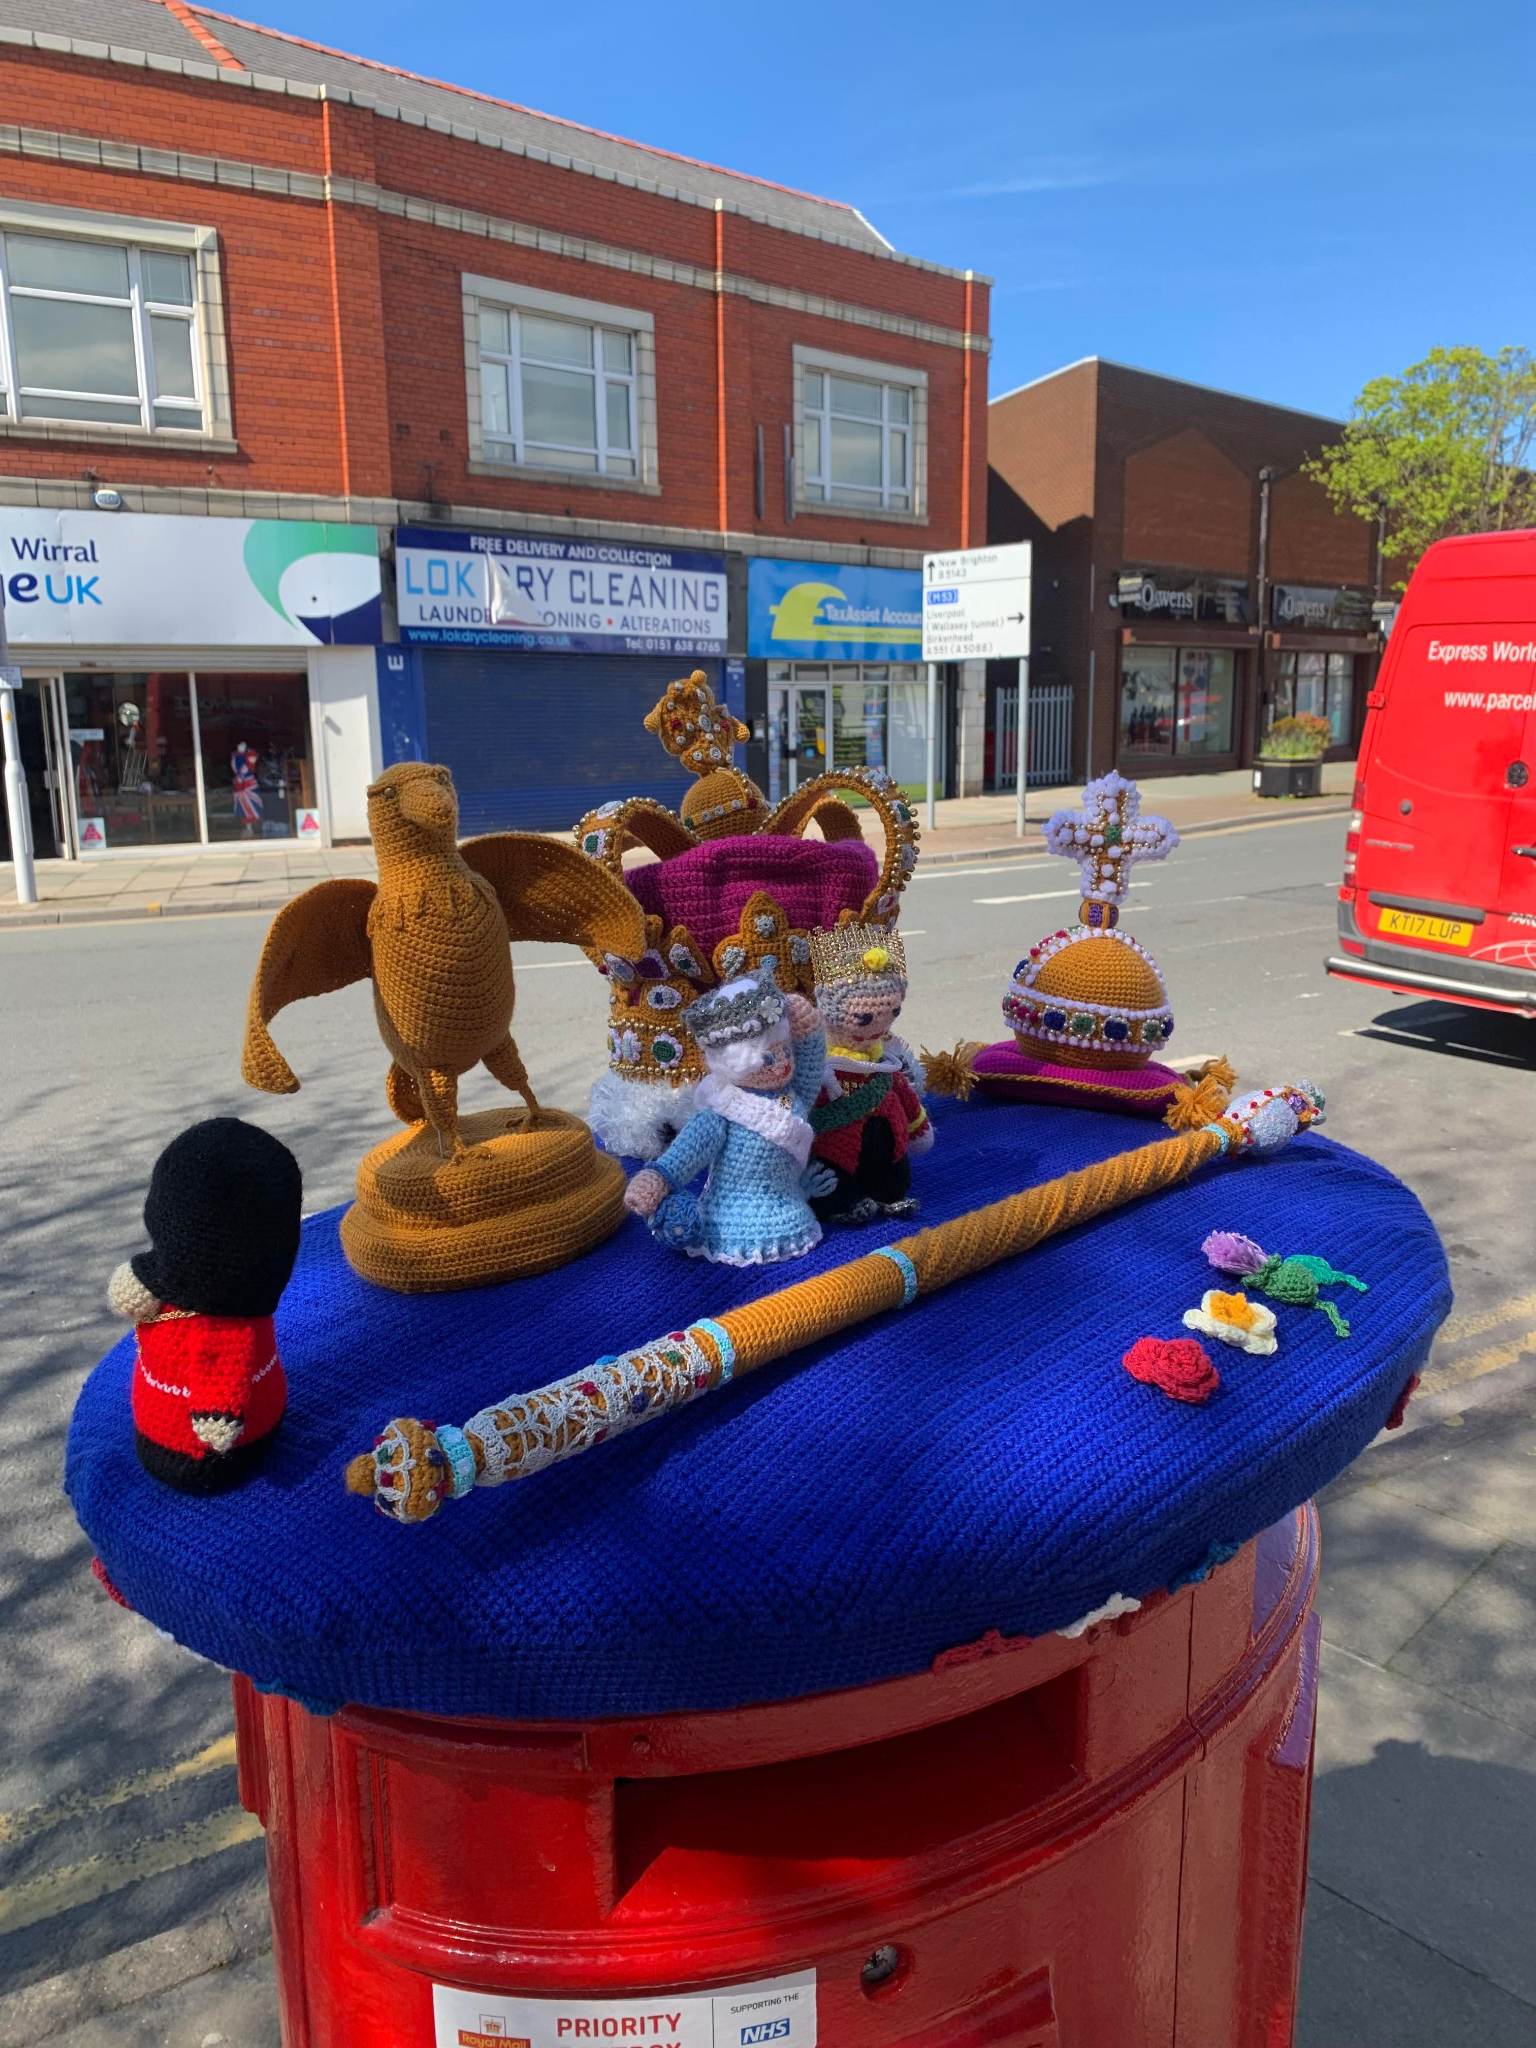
[816, 1823]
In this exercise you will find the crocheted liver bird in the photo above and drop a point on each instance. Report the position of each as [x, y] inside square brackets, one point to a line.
[433, 936]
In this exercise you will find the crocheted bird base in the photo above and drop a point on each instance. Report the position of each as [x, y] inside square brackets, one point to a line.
[735, 887]
[530, 1192]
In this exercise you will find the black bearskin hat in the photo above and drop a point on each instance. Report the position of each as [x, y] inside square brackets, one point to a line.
[222, 1214]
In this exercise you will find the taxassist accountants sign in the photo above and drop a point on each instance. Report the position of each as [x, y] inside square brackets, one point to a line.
[833, 611]
[561, 596]
[142, 579]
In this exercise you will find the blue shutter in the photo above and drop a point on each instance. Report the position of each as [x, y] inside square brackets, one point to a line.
[533, 741]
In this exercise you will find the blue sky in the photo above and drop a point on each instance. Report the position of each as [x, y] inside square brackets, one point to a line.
[1279, 199]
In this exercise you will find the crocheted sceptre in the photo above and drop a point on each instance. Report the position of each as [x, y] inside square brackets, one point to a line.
[414, 1466]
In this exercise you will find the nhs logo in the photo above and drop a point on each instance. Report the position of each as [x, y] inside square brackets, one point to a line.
[766, 2030]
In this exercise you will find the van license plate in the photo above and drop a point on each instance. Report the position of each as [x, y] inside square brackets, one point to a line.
[1414, 924]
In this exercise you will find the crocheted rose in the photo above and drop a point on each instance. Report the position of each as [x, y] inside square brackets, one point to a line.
[1178, 1366]
[1230, 1252]
[1235, 1320]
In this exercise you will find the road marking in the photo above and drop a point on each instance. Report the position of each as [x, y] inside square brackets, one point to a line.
[1458, 1328]
[78, 1884]
[33, 1820]
[1494, 1359]
[1038, 896]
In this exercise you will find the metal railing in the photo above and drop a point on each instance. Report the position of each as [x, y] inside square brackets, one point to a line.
[1050, 736]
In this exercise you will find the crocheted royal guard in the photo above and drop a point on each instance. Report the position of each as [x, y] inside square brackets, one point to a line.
[1087, 1006]
[223, 1220]
[869, 1119]
[763, 1053]
[735, 887]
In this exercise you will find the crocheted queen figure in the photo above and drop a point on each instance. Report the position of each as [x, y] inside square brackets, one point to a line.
[735, 887]
[869, 1119]
[1087, 1006]
[763, 1053]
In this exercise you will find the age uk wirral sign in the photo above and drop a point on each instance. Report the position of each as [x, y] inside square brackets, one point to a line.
[562, 596]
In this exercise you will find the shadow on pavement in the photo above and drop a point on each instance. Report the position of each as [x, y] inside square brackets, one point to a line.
[1486, 1035]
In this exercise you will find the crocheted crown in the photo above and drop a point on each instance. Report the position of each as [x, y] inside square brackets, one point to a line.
[735, 887]
[1093, 989]
[748, 1008]
[855, 953]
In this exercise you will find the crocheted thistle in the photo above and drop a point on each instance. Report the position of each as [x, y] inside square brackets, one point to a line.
[450, 1205]
[869, 1118]
[1087, 1005]
[735, 887]
[1295, 1280]
[222, 1216]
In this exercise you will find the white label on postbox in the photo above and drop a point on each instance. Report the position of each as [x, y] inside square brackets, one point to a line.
[782, 2011]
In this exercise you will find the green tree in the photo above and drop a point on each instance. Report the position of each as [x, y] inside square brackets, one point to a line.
[1442, 449]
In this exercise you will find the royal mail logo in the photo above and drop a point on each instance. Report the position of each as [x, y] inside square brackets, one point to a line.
[493, 2034]
[766, 2030]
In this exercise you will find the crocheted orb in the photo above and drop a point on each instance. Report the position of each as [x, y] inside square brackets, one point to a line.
[1096, 992]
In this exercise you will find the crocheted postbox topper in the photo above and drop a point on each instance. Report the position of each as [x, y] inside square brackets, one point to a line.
[736, 887]
[1087, 1006]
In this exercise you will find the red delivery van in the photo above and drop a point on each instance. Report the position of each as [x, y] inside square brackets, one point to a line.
[1439, 891]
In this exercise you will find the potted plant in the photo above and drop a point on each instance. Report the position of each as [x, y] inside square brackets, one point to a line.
[1290, 759]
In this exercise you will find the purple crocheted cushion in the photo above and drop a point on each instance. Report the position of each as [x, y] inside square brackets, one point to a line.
[811, 880]
[1012, 1076]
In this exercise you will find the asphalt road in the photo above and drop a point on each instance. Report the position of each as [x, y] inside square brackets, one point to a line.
[117, 1812]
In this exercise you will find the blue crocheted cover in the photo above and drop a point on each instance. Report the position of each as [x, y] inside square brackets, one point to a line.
[978, 1461]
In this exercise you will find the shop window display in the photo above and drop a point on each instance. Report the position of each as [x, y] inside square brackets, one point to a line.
[1177, 701]
[132, 759]
[255, 745]
[1321, 685]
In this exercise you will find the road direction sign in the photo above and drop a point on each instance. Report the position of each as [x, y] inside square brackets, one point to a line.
[976, 604]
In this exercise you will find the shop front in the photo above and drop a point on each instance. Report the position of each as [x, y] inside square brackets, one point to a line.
[527, 667]
[844, 683]
[1319, 654]
[173, 675]
[1186, 655]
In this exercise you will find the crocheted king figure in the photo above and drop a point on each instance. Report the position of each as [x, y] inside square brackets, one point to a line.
[223, 1220]
[869, 1119]
[763, 1053]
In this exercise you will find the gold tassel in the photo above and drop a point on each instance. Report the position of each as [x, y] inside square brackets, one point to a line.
[1202, 1098]
[951, 1073]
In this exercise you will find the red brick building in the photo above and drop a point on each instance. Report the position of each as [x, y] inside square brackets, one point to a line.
[246, 278]
[1190, 583]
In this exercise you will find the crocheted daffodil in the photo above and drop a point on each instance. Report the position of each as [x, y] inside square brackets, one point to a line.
[1234, 1319]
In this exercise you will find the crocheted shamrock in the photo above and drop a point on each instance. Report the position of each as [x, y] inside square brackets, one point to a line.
[1296, 1280]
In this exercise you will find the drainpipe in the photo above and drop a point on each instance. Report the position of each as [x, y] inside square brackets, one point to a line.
[1267, 476]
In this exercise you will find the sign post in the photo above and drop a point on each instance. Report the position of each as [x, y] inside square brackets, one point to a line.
[18, 811]
[933, 741]
[976, 608]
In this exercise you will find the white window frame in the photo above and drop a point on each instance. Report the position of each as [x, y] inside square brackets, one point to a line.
[506, 455]
[814, 486]
[208, 413]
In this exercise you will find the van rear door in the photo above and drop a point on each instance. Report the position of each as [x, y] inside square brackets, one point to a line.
[1434, 831]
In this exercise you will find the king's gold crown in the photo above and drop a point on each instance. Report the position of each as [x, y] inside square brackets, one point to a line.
[856, 952]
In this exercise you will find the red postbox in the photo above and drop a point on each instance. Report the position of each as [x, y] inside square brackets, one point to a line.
[1090, 1842]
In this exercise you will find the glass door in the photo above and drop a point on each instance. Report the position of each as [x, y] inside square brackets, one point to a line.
[39, 762]
[799, 728]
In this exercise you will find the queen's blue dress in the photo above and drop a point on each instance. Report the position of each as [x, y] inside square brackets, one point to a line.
[753, 1209]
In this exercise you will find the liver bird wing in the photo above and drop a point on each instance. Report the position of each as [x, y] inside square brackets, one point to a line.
[316, 943]
[554, 894]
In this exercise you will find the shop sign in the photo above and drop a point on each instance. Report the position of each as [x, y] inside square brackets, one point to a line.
[1309, 607]
[145, 579]
[561, 596]
[1182, 596]
[833, 611]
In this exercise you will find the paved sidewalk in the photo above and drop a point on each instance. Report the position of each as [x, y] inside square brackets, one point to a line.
[967, 828]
